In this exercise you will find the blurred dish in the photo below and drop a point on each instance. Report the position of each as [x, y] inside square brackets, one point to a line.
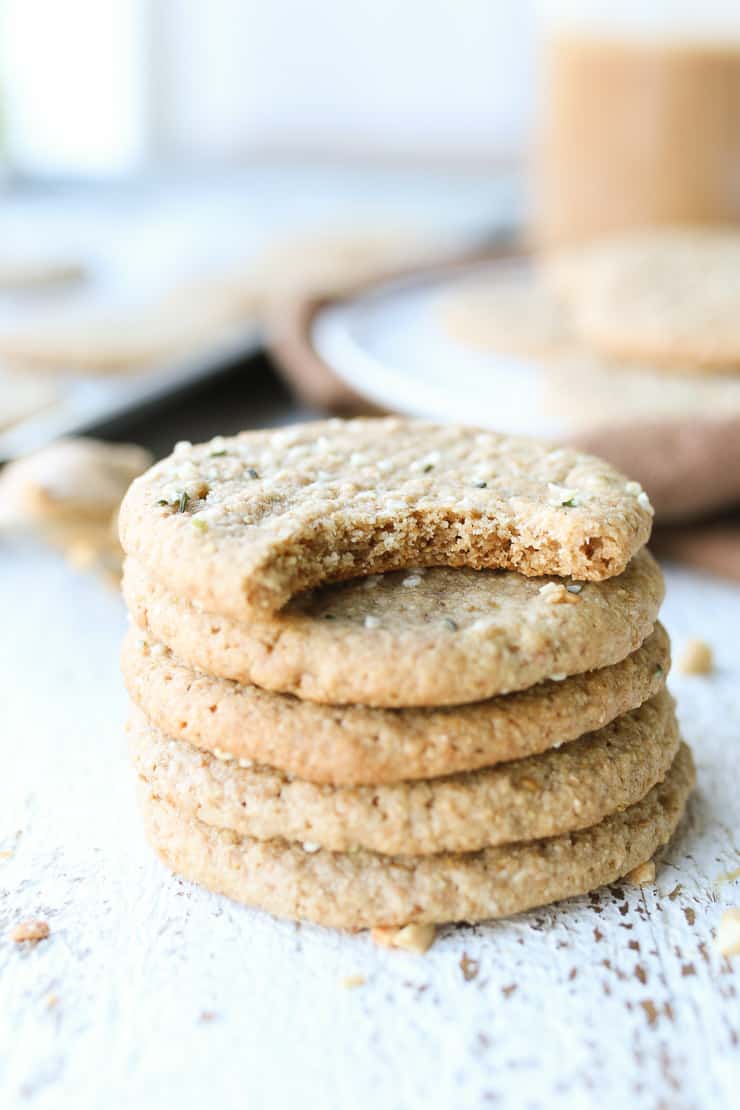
[483, 342]
[391, 346]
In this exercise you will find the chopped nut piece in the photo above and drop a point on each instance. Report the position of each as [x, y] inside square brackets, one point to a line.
[310, 846]
[642, 875]
[555, 593]
[412, 938]
[31, 931]
[469, 967]
[351, 981]
[697, 658]
[728, 933]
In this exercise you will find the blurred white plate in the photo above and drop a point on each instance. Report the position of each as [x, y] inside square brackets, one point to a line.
[388, 344]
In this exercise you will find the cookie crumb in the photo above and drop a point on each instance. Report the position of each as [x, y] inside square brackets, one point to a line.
[696, 658]
[642, 875]
[350, 982]
[469, 967]
[728, 933]
[30, 931]
[411, 938]
[52, 1001]
[7, 854]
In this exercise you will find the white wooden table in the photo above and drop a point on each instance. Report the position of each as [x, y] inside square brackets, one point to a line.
[152, 993]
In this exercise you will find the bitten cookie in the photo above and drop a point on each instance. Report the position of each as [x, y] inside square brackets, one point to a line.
[241, 525]
[526, 799]
[413, 638]
[356, 745]
[362, 889]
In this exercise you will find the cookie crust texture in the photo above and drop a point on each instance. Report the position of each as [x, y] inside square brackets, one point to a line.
[416, 638]
[363, 889]
[242, 524]
[354, 745]
[527, 799]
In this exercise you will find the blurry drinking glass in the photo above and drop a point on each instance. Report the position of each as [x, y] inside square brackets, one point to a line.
[639, 120]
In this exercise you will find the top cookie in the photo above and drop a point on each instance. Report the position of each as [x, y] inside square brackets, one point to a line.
[663, 297]
[241, 525]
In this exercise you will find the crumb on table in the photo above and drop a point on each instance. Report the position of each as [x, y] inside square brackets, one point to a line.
[643, 874]
[351, 981]
[411, 938]
[31, 931]
[696, 658]
[728, 933]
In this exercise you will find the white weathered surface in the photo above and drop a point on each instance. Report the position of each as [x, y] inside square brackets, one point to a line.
[152, 993]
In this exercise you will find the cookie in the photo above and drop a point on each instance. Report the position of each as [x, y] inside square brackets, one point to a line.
[363, 889]
[241, 525]
[591, 394]
[28, 269]
[526, 799]
[509, 313]
[353, 745]
[72, 481]
[413, 638]
[92, 337]
[666, 298]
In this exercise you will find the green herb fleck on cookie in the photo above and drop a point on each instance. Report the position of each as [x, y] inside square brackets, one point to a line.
[182, 504]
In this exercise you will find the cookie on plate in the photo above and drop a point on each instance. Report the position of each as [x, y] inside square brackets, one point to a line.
[508, 312]
[664, 297]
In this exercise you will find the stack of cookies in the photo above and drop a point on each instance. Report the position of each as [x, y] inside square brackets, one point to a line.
[387, 672]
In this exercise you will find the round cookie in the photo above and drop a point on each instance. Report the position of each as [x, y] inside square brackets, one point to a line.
[90, 336]
[243, 524]
[526, 799]
[662, 297]
[355, 745]
[507, 313]
[414, 638]
[363, 889]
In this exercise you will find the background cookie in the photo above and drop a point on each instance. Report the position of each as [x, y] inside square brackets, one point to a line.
[509, 313]
[354, 745]
[662, 297]
[362, 889]
[243, 524]
[526, 799]
[424, 637]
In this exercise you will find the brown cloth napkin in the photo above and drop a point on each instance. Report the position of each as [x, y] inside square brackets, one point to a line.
[690, 469]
